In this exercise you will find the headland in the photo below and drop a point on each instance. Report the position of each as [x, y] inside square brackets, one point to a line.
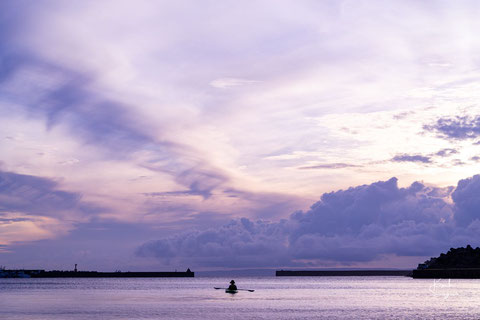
[460, 263]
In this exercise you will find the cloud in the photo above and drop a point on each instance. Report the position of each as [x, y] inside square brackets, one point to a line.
[330, 166]
[68, 100]
[240, 243]
[446, 152]
[20, 228]
[41, 196]
[34, 208]
[379, 204]
[81, 79]
[241, 203]
[117, 88]
[411, 158]
[200, 182]
[60, 95]
[64, 95]
[457, 128]
[358, 225]
[467, 202]
[403, 115]
[224, 83]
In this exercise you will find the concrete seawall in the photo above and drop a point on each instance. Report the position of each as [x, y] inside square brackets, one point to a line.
[447, 273]
[340, 273]
[91, 274]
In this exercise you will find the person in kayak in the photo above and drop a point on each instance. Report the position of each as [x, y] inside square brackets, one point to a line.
[232, 285]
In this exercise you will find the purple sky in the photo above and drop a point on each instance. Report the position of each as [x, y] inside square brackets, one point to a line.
[159, 135]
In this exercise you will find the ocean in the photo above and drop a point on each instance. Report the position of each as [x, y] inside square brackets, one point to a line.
[274, 298]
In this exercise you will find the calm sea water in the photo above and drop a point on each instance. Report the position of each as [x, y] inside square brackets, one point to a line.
[274, 298]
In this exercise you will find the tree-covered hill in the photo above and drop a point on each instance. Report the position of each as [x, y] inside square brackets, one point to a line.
[455, 258]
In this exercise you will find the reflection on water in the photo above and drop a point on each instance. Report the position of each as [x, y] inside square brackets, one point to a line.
[274, 298]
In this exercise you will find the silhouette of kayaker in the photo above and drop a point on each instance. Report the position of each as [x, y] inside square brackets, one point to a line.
[232, 285]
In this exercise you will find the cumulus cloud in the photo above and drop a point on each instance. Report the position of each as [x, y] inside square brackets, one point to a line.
[458, 128]
[467, 202]
[240, 243]
[411, 158]
[357, 225]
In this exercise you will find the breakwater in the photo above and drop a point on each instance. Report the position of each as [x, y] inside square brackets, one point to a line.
[91, 274]
[340, 273]
[460, 273]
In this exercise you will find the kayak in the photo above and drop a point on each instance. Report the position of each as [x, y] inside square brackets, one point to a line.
[231, 291]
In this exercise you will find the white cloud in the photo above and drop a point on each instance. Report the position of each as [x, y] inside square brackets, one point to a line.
[332, 80]
[224, 83]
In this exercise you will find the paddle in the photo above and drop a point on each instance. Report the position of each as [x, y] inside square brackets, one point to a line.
[237, 289]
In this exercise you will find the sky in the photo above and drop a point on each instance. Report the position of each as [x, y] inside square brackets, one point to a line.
[161, 135]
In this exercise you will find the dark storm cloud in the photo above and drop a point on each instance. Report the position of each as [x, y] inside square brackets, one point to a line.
[458, 128]
[40, 196]
[359, 224]
[411, 158]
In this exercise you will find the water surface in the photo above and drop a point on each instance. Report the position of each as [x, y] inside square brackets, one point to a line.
[274, 298]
